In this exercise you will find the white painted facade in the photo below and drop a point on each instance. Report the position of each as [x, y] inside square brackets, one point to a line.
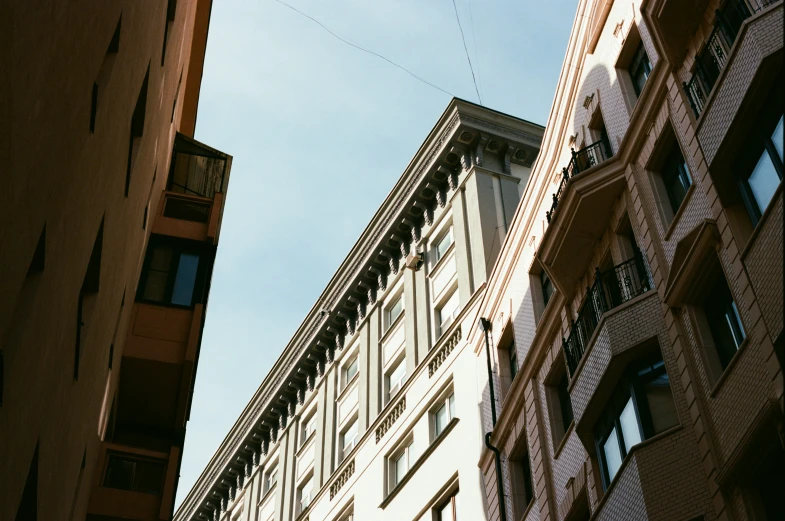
[391, 429]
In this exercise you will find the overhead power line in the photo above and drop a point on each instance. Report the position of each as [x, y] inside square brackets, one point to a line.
[467, 52]
[363, 49]
[476, 51]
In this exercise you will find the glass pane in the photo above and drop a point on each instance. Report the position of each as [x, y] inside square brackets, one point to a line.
[660, 400]
[120, 473]
[444, 244]
[612, 455]
[445, 512]
[149, 477]
[155, 285]
[350, 370]
[398, 374]
[763, 180]
[395, 311]
[185, 279]
[441, 419]
[161, 259]
[677, 179]
[401, 466]
[451, 401]
[777, 137]
[629, 426]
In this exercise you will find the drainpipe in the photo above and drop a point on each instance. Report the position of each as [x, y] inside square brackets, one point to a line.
[485, 324]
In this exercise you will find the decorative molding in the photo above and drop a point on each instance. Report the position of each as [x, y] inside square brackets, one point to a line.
[391, 418]
[444, 351]
[341, 480]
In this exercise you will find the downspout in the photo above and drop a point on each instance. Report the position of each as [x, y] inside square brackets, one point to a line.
[485, 324]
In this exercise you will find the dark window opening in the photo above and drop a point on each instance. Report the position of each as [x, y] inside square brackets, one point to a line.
[676, 177]
[176, 96]
[639, 69]
[761, 181]
[724, 321]
[87, 295]
[171, 5]
[559, 401]
[104, 73]
[600, 134]
[196, 211]
[28, 505]
[641, 406]
[522, 489]
[126, 472]
[137, 129]
[174, 273]
[547, 288]
[513, 360]
[78, 485]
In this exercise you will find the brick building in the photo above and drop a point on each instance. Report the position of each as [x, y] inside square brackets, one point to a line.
[635, 315]
[111, 214]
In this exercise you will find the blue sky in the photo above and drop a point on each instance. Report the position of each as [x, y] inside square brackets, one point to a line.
[320, 132]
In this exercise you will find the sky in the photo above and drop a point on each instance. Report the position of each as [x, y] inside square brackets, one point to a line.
[320, 132]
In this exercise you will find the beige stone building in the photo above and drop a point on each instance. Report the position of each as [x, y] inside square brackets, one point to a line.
[110, 216]
[372, 410]
[634, 319]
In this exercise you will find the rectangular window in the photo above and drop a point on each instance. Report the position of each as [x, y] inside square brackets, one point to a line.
[349, 439]
[349, 371]
[759, 185]
[395, 379]
[448, 511]
[547, 288]
[308, 428]
[522, 491]
[639, 69]
[676, 177]
[442, 245]
[305, 494]
[449, 311]
[444, 415]
[724, 321]
[559, 402]
[127, 472]
[399, 464]
[641, 406]
[393, 311]
[270, 477]
[173, 274]
[513, 360]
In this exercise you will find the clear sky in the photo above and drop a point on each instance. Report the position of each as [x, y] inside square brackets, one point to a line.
[320, 132]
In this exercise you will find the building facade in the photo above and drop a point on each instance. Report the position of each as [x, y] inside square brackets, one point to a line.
[371, 412]
[111, 215]
[634, 319]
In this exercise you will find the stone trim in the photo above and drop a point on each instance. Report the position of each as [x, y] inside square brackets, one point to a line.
[391, 418]
[341, 480]
[444, 351]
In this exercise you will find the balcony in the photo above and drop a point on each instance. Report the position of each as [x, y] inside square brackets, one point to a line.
[713, 57]
[611, 289]
[197, 169]
[581, 161]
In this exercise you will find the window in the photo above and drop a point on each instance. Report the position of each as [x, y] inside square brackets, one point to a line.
[547, 288]
[444, 414]
[137, 129]
[396, 378]
[393, 311]
[308, 427]
[270, 477]
[305, 493]
[759, 185]
[448, 511]
[349, 371]
[639, 69]
[349, 439]
[559, 402]
[676, 177]
[513, 360]
[170, 11]
[87, 298]
[399, 464]
[449, 311]
[522, 491]
[173, 274]
[442, 244]
[136, 474]
[724, 321]
[641, 406]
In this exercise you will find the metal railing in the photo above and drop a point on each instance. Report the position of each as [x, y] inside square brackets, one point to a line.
[610, 289]
[195, 170]
[712, 58]
[582, 160]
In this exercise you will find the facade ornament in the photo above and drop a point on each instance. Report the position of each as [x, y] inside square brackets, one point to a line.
[438, 190]
[380, 278]
[507, 157]
[415, 230]
[478, 154]
[427, 214]
[370, 293]
[402, 245]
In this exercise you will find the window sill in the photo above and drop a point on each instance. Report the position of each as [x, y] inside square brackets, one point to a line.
[267, 495]
[392, 327]
[763, 219]
[417, 464]
[304, 445]
[729, 369]
[679, 212]
[438, 264]
[346, 388]
[563, 442]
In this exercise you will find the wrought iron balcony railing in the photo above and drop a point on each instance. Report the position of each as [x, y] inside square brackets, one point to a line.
[582, 160]
[712, 58]
[610, 289]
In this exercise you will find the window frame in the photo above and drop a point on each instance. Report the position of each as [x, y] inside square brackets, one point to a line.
[307, 482]
[392, 302]
[446, 232]
[768, 148]
[447, 402]
[639, 60]
[178, 248]
[270, 470]
[442, 327]
[308, 420]
[404, 450]
[351, 423]
[392, 367]
[347, 380]
[136, 459]
[452, 501]
[557, 386]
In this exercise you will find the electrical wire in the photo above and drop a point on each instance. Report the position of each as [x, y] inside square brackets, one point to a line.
[465, 49]
[359, 47]
[476, 52]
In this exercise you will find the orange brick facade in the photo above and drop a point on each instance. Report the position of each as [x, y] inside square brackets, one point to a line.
[720, 456]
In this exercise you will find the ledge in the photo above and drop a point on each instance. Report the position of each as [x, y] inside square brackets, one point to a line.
[417, 464]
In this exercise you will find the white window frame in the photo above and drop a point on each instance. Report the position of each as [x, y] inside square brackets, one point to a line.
[392, 390]
[346, 380]
[392, 302]
[447, 402]
[305, 484]
[442, 326]
[307, 426]
[343, 450]
[403, 451]
[443, 234]
[271, 469]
